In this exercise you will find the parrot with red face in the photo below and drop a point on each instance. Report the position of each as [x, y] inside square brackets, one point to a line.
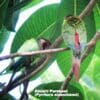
[24, 63]
[74, 35]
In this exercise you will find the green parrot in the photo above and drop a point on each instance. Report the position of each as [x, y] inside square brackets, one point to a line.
[74, 35]
[24, 63]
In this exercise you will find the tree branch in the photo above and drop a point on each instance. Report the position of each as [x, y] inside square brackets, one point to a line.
[87, 9]
[33, 53]
[90, 45]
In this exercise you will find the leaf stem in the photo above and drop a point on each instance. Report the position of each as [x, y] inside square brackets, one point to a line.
[75, 7]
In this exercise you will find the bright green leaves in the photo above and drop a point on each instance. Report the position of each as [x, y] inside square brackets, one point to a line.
[64, 60]
[72, 89]
[91, 80]
[92, 95]
[66, 8]
[30, 3]
[97, 16]
[40, 24]
[97, 50]
[96, 72]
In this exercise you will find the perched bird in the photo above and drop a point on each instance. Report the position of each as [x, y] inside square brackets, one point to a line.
[74, 35]
[23, 61]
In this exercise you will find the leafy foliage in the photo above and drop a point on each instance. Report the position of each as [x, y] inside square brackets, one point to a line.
[35, 27]
[46, 22]
[91, 81]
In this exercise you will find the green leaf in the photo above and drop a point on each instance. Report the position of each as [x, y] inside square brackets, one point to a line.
[97, 50]
[91, 94]
[97, 16]
[64, 60]
[66, 8]
[4, 35]
[85, 63]
[55, 86]
[11, 16]
[91, 80]
[38, 25]
[31, 4]
[96, 72]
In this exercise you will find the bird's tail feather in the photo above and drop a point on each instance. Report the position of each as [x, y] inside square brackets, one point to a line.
[76, 68]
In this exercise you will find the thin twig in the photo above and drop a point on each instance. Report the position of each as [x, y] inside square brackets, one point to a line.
[52, 50]
[33, 53]
[90, 45]
[87, 9]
